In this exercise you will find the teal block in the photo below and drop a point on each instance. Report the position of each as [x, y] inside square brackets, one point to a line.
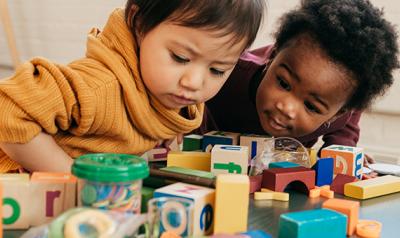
[313, 224]
[282, 164]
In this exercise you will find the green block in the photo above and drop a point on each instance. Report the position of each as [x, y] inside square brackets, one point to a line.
[147, 194]
[193, 172]
[192, 142]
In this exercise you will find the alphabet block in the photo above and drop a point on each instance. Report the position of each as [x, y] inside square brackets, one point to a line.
[219, 137]
[347, 160]
[231, 203]
[323, 171]
[313, 224]
[54, 193]
[192, 142]
[347, 207]
[339, 181]
[229, 159]
[17, 201]
[203, 199]
[278, 178]
[254, 142]
[190, 160]
[373, 187]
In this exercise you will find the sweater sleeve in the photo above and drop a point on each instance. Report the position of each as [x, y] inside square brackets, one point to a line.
[43, 96]
[347, 135]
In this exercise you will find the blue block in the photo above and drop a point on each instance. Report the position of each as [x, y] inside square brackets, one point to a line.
[214, 140]
[282, 164]
[323, 171]
[313, 224]
[257, 234]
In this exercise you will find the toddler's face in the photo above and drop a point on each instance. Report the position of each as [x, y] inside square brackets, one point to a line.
[301, 90]
[182, 66]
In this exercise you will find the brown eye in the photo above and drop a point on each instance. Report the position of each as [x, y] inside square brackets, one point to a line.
[311, 107]
[179, 59]
[283, 84]
[217, 72]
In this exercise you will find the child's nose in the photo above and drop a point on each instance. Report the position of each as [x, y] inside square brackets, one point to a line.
[288, 108]
[192, 81]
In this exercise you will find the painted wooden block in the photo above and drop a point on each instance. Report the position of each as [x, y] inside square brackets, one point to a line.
[54, 193]
[347, 207]
[219, 137]
[255, 183]
[348, 160]
[190, 160]
[191, 172]
[147, 194]
[229, 159]
[313, 224]
[313, 156]
[323, 191]
[231, 203]
[267, 194]
[17, 201]
[339, 181]
[257, 234]
[302, 179]
[254, 143]
[192, 142]
[323, 171]
[373, 187]
[160, 152]
[203, 199]
[282, 164]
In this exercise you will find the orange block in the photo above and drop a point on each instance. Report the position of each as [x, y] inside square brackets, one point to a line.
[347, 207]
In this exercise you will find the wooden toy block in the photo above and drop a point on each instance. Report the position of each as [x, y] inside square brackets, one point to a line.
[269, 194]
[158, 153]
[339, 181]
[17, 201]
[323, 171]
[147, 194]
[54, 194]
[277, 179]
[254, 142]
[203, 199]
[257, 234]
[313, 156]
[314, 193]
[231, 203]
[347, 207]
[368, 229]
[229, 159]
[255, 183]
[323, 191]
[219, 137]
[282, 164]
[192, 142]
[192, 172]
[373, 187]
[347, 160]
[313, 224]
[190, 160]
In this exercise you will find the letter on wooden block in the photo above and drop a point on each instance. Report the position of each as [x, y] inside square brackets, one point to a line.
[312, 224]
[278, 178]
[219, 137]
[347, 160]
[231, 203]
[323, 171]
[373, 187]
[229, 159]
[347, 207]
[190, 160]
[254, 142]
[203, 199]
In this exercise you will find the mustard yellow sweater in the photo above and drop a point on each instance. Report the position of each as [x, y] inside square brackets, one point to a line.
[95, 104]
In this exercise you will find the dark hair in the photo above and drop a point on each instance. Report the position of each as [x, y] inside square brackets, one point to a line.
[354, 34]
[241, 17]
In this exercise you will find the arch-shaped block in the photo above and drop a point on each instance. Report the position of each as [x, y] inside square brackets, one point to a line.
[277, 179]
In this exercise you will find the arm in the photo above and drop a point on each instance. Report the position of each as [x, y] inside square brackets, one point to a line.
[39, 154]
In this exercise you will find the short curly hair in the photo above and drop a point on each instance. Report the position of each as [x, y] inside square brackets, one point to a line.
[355, 35]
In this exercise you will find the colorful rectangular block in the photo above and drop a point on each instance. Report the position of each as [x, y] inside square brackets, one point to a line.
[323, 171]
[192, 142]
[347, 207]
[373, 187]
[219, 137]
[190, 160]
[347, 160]
[229, 159]
[254, 142]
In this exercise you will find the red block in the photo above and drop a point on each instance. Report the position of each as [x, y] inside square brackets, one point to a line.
[255, 183]
[277, 179]
[339, 181]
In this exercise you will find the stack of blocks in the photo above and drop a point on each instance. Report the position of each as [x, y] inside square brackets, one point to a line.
[229, 159]
[52, 194]
[203, 199]
[347, 160]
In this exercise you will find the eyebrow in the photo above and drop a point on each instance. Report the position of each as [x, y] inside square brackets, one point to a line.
[297, 78]
[196, 53]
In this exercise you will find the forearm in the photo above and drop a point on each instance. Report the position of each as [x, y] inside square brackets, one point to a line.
[40, 154]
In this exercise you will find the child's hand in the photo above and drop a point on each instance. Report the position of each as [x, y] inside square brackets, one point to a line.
[167, 143]
[368, 160]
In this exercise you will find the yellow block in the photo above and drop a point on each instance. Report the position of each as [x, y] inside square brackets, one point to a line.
[313, 156]
[231, 203]
[373, 187]
[190, 160]
[280, 196]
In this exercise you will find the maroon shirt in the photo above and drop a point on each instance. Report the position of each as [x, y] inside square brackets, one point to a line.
[233, 108]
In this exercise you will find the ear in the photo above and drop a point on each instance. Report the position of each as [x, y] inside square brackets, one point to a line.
[131, 15]
[134, 23]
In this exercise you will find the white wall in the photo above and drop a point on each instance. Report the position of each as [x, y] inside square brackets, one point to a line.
[57, 29]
